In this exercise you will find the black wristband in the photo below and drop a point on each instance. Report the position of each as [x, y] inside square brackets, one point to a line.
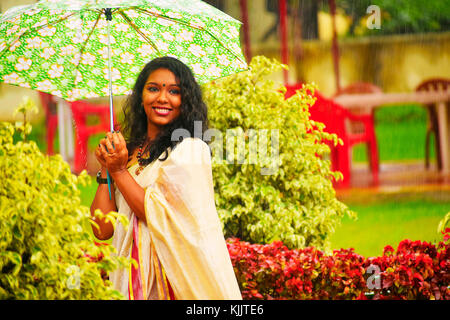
[101, 180]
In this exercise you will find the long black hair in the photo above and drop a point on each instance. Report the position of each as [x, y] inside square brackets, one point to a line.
[193, 108]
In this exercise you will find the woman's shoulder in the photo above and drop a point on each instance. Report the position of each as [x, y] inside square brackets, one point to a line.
[192, 151]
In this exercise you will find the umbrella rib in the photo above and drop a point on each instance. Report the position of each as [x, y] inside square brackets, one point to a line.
[127, 19]
[90, 33]
[191, 26]
[37, 28]
[85, 44]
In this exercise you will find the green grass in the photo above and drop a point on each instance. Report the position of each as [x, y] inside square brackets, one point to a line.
[388, 223]
[88, 192]
[400, 132]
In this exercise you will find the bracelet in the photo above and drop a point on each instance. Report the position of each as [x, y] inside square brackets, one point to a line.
[101, 180]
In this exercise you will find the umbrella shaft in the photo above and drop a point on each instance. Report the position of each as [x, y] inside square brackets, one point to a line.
[111, 111]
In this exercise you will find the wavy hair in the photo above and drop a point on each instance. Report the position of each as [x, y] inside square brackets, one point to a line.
[193, 108]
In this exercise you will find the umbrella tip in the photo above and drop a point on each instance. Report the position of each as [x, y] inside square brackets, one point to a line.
[108, 14]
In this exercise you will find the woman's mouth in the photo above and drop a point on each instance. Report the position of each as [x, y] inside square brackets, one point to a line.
[162, 111]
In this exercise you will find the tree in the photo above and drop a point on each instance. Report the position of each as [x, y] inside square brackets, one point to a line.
[287, 195]
[46, 251]
[401, 16]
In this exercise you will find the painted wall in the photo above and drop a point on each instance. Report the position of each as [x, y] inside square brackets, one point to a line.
[394, 63]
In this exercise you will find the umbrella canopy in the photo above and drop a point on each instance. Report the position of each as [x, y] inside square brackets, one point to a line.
[61, 46]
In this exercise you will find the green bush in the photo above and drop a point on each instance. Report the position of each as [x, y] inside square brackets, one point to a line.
[46, 251]
[294, 200]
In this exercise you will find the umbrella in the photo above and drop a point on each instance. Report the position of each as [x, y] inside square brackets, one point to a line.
[78, 49]
[61, 47]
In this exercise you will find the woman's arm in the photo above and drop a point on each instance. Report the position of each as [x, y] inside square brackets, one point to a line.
[101, 201]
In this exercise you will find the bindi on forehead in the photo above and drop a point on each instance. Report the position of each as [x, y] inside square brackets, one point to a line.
[163, 84]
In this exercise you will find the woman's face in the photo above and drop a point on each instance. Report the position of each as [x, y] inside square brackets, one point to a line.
[161, 99]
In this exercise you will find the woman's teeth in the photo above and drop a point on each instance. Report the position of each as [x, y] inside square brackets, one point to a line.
[162, 110]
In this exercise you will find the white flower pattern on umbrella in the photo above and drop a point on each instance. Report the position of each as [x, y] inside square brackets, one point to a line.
[47, 53]
[197, 68]
[14, 46]
[55, 71]
[67, 50]
[63, 42]
[167, 36]
[122, 27]
[11, 78]
[78, 77]
[196, 50]
[223, 60]
[127, 57]
[74, 24]
[47, 32]
[45, 86]
[34, 42]
[186, 35]
[165, 22]
[23, 64]
[161, 45]
[115, 74]
[88, 59]
[214, 70]
[12, 30]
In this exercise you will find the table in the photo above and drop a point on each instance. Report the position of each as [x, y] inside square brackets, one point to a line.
[369, 101]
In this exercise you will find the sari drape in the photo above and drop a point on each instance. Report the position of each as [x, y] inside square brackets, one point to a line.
[181, 252]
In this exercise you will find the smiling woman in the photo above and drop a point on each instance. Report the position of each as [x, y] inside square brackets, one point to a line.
[164, 186]
[161, 100]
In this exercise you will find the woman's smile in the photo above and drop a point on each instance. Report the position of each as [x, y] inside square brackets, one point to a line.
[162, 111]
[161, 99]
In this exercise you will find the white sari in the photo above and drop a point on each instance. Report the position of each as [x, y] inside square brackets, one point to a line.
[181, 251]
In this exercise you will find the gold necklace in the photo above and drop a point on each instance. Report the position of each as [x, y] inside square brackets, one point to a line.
[140, 160]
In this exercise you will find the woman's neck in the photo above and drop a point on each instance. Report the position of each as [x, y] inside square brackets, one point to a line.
[152, 132]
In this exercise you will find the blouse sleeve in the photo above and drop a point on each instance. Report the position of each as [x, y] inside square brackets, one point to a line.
[185, 228]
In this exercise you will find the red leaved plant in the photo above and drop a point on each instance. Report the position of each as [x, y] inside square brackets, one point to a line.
[416, 270]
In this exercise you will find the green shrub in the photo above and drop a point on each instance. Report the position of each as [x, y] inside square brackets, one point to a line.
[295, 202]
[45, 250]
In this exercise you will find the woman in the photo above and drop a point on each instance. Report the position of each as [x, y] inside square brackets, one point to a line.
[165, 188]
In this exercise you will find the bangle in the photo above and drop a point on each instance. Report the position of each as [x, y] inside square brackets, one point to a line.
[101, 180]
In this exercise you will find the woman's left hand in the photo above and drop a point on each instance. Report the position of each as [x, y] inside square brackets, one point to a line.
[114, 150]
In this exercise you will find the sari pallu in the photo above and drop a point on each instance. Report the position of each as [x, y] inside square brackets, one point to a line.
[181, 252]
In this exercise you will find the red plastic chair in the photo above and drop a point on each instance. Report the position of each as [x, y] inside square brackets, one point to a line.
[51, 119]
[80, 112]
[335, 118]
[435, 84]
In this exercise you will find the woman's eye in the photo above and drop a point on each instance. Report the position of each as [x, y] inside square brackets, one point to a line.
[175, 91]
[152, 89]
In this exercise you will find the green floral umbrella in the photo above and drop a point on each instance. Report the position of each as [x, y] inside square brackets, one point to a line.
[77, 49]
[61, 46]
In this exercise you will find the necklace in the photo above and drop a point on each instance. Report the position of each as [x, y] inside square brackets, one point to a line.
[140, 160]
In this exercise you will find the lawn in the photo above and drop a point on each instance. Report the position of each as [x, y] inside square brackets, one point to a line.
[400, 132]
[388, 223]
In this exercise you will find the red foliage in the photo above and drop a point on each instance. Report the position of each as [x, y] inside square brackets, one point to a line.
[416, 270]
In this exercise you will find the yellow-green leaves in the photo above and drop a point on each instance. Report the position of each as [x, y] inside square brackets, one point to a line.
[295, 201]
[45, 253]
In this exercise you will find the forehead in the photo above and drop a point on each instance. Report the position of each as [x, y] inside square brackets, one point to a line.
[163, 75]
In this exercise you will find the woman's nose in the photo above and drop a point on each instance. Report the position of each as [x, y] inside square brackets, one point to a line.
[162, 97]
